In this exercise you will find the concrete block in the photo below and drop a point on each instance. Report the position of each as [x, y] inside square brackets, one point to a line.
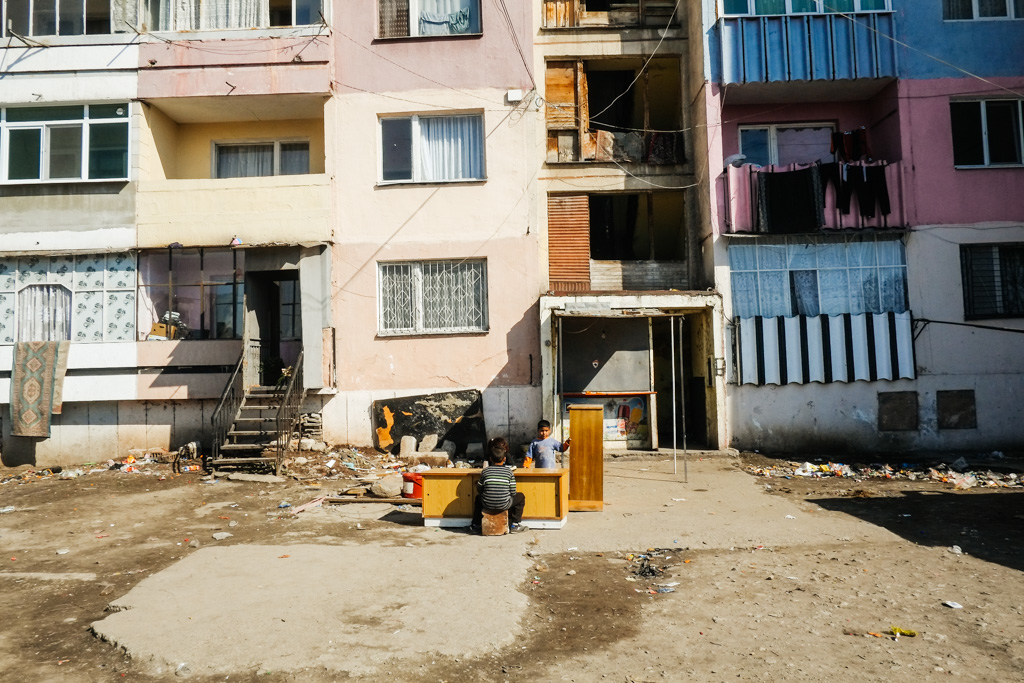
[408, 446]
[428, 443]
[435, 459]
[389, 486]
[449, 448]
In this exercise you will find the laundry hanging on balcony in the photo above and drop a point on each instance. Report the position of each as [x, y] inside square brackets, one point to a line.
[873, 184]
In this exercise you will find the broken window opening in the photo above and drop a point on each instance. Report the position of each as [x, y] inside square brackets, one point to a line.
[645, 226]
[614, 111]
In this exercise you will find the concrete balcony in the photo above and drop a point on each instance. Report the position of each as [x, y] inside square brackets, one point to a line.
[292, 209]
[842, 57]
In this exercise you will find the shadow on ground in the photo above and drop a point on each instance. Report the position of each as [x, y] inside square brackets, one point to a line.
[985, 524]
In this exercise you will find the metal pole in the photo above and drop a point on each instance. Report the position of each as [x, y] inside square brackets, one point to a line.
[682, 396]
[672, 355]
[558, 385]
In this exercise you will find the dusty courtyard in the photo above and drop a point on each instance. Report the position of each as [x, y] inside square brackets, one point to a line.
[764, 579]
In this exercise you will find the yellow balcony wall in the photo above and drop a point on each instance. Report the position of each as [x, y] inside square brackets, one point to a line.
[291, 209]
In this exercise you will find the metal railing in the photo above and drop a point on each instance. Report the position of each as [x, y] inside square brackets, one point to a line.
[234, 393]
[288, 412]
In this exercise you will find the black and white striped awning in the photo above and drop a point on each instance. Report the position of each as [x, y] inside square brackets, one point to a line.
[841, 348]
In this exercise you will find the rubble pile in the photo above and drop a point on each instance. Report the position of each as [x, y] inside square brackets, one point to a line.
[957, 473]
[311, 426]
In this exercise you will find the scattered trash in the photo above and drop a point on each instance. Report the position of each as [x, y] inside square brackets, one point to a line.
[955, 474]
[897, 631]
[790, 517]
[9, 508]
[953, 605]
[315, 503]
[63, 551]
[284, 504]
[221, 535]
[571, 572]
[956, 550]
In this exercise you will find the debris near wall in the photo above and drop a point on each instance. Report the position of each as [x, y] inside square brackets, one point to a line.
[311, 426]
[958, 474]
[455, 416]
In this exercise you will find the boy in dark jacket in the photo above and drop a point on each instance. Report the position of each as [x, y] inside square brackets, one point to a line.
[496, 490]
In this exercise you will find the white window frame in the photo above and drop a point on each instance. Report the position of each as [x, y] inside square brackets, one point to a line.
[976, 12]
[217, 144]
[59, 8]
[773, 135]
[85, 122]
[417, 172]
[419, 327]
[414, 27]
[820, 9]
[984, 133]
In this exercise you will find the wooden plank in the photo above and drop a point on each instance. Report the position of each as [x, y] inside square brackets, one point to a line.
[586, 475]
[560, 95]
[366, 499]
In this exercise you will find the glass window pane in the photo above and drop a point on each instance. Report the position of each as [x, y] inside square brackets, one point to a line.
[736, 6]
[108, 150]
[861, 253]
[804, 286]
[17, 17]
[754, 145]
[863, 290]
[396, 138]
[774, 292]
[155, 267]
[1018, 9]
[799, 6]
[108, 111]
[802, 255]
[65, 152]
[769, 7]
[33, 114]
[893, 289]
[245, 161]
[771, 256]
[219, 265]
[397, 305]
[1003, 119]
[280, 12]
[97, 16]
[745, 295]
[968, 146]
[871, 5]
[891, 253]
[992, 8]
[186, 311]
[307, 12]
[804, 145]
[294, 158]
[44, 17]
[23, 161]
[957, 9]
[222, 314]
[72, 21]
[186, 269]
[451, 148]
[743, 256]
[834, 291]
[832, 255]
[839, 6]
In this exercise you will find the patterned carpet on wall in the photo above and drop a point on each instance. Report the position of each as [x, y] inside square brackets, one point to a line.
[37, 382]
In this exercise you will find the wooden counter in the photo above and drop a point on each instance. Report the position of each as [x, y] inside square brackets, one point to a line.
[448, 495]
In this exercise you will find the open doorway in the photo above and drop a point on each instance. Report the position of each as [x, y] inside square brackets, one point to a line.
[680, 393]
[274, 301]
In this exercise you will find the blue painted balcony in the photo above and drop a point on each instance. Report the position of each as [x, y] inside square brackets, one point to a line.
[761, 51]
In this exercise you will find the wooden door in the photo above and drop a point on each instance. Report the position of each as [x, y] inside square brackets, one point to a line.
[586, 457]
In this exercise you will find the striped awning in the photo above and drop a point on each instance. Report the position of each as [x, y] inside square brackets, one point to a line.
[840, 348]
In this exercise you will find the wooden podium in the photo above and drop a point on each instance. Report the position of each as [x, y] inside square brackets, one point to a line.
[586, 457]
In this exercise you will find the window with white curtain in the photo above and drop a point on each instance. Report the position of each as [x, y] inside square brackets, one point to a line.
[786, 144]
[432, 297]
[765, 7]
[199, 15]
[44, 313]
[954, 10]
[412, 18]
[818, 276]
[432, 149]
[249, 160]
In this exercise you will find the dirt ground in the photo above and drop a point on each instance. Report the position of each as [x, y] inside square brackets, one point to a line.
[749, 578]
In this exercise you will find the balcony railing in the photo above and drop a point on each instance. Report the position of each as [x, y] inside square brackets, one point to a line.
[806, 47]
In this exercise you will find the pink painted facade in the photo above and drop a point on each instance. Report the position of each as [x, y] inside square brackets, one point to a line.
[937, 192]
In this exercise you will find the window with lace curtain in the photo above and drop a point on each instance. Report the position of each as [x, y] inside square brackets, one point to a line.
[955, 10]
[412, 18]
[254, 159]
[432, 297]
[200, 15]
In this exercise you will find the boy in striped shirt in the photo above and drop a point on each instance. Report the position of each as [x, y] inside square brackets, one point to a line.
[496, 490]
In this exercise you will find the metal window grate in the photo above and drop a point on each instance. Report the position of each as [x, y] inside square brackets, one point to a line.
[993, 280]
[433, 297]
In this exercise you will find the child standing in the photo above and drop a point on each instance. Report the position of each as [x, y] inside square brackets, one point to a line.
[543, 448]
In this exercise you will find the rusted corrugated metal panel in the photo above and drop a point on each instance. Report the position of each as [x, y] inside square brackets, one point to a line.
[560, 95]
[569, 239]
[637, 275]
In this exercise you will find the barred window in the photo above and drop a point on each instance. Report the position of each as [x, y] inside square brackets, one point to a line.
[993, 279]
[432, 297]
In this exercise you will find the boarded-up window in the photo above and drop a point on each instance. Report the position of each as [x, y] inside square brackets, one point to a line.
[569, 243]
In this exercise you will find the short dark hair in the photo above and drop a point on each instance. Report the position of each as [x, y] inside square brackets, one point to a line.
[498, 448]
[543, 423]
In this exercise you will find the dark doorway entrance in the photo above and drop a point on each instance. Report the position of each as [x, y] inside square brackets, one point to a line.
[275, 319]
